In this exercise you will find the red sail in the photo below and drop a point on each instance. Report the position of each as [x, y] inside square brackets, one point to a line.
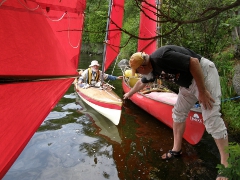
[114, 34]
[148, 27]
[39, 39]
[23, 108]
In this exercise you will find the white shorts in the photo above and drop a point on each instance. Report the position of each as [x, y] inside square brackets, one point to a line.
[187, 97]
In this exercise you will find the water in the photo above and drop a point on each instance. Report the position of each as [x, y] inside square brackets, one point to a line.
[77, 143]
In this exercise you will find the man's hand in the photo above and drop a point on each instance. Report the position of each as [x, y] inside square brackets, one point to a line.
[206, 100]
[127, 95]
[137, 87]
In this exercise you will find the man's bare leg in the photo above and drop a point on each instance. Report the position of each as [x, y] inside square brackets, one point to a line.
[222, 144]
[178, 130]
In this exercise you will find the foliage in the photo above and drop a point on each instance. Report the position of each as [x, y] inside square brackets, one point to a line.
[224, 63]
[95, 22]
[233, 169]
[183, 18]
[131, 24]
[231, 110]
[204, 37]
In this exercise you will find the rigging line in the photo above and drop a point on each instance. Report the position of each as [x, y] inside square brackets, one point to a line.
[230, 98]
[224, 100]
[114, 66]
[69, 35]
[112, 46]
[106, 37]
[142, 50]
[110, 94]
[59, 19]
[1, 3]
[28, 7]
[148, 30]
[115, 63]
[54, 20]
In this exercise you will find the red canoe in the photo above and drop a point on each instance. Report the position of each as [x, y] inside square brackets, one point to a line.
[160, 104]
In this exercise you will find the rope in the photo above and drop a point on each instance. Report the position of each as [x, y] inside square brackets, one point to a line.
[53, 20]
[110, 94]
[1, 3]
[69, 35]
[228, 99]
[59, 19]
[224, 100]
[115, 64]
[28, 7]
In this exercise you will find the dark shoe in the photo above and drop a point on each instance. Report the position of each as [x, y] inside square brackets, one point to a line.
[221, 176]
[173, 154]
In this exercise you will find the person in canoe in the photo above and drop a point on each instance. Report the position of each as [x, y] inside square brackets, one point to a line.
[198, 80]
[92, 75]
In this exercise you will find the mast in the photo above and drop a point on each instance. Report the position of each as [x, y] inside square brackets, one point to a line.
[159, 27]
[106, 39]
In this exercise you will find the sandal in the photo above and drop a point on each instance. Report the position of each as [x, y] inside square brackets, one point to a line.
[221, 176]
[173, 154]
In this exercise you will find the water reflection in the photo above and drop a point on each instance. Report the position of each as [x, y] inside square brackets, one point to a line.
[75, 142]
[103, 126]
[74, 151]
[145, 139]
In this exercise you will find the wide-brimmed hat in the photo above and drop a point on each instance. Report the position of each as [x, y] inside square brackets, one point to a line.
[135, 61]
[94, 63]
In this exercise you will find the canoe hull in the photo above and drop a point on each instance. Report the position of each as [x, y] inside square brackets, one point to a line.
[163, 112]
[105, 101]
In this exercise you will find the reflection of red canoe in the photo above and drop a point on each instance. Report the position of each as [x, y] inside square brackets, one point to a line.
[160, 104]
[40, 45]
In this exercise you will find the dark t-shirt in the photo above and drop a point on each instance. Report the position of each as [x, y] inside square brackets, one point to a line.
[173, 60]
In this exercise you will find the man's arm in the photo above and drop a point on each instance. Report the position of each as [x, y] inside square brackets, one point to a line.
[204, 96]
[137, 87]
[83, 77]
[113, 78]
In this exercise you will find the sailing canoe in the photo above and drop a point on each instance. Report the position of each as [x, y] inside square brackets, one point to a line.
[104, 100]
[160, 104]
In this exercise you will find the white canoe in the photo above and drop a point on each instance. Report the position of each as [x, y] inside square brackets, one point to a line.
[104, 101]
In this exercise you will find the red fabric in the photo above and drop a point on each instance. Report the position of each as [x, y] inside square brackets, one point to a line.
[114, 36]
[148, 28]
[36, 41]
[23, 107]
[34, 44]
